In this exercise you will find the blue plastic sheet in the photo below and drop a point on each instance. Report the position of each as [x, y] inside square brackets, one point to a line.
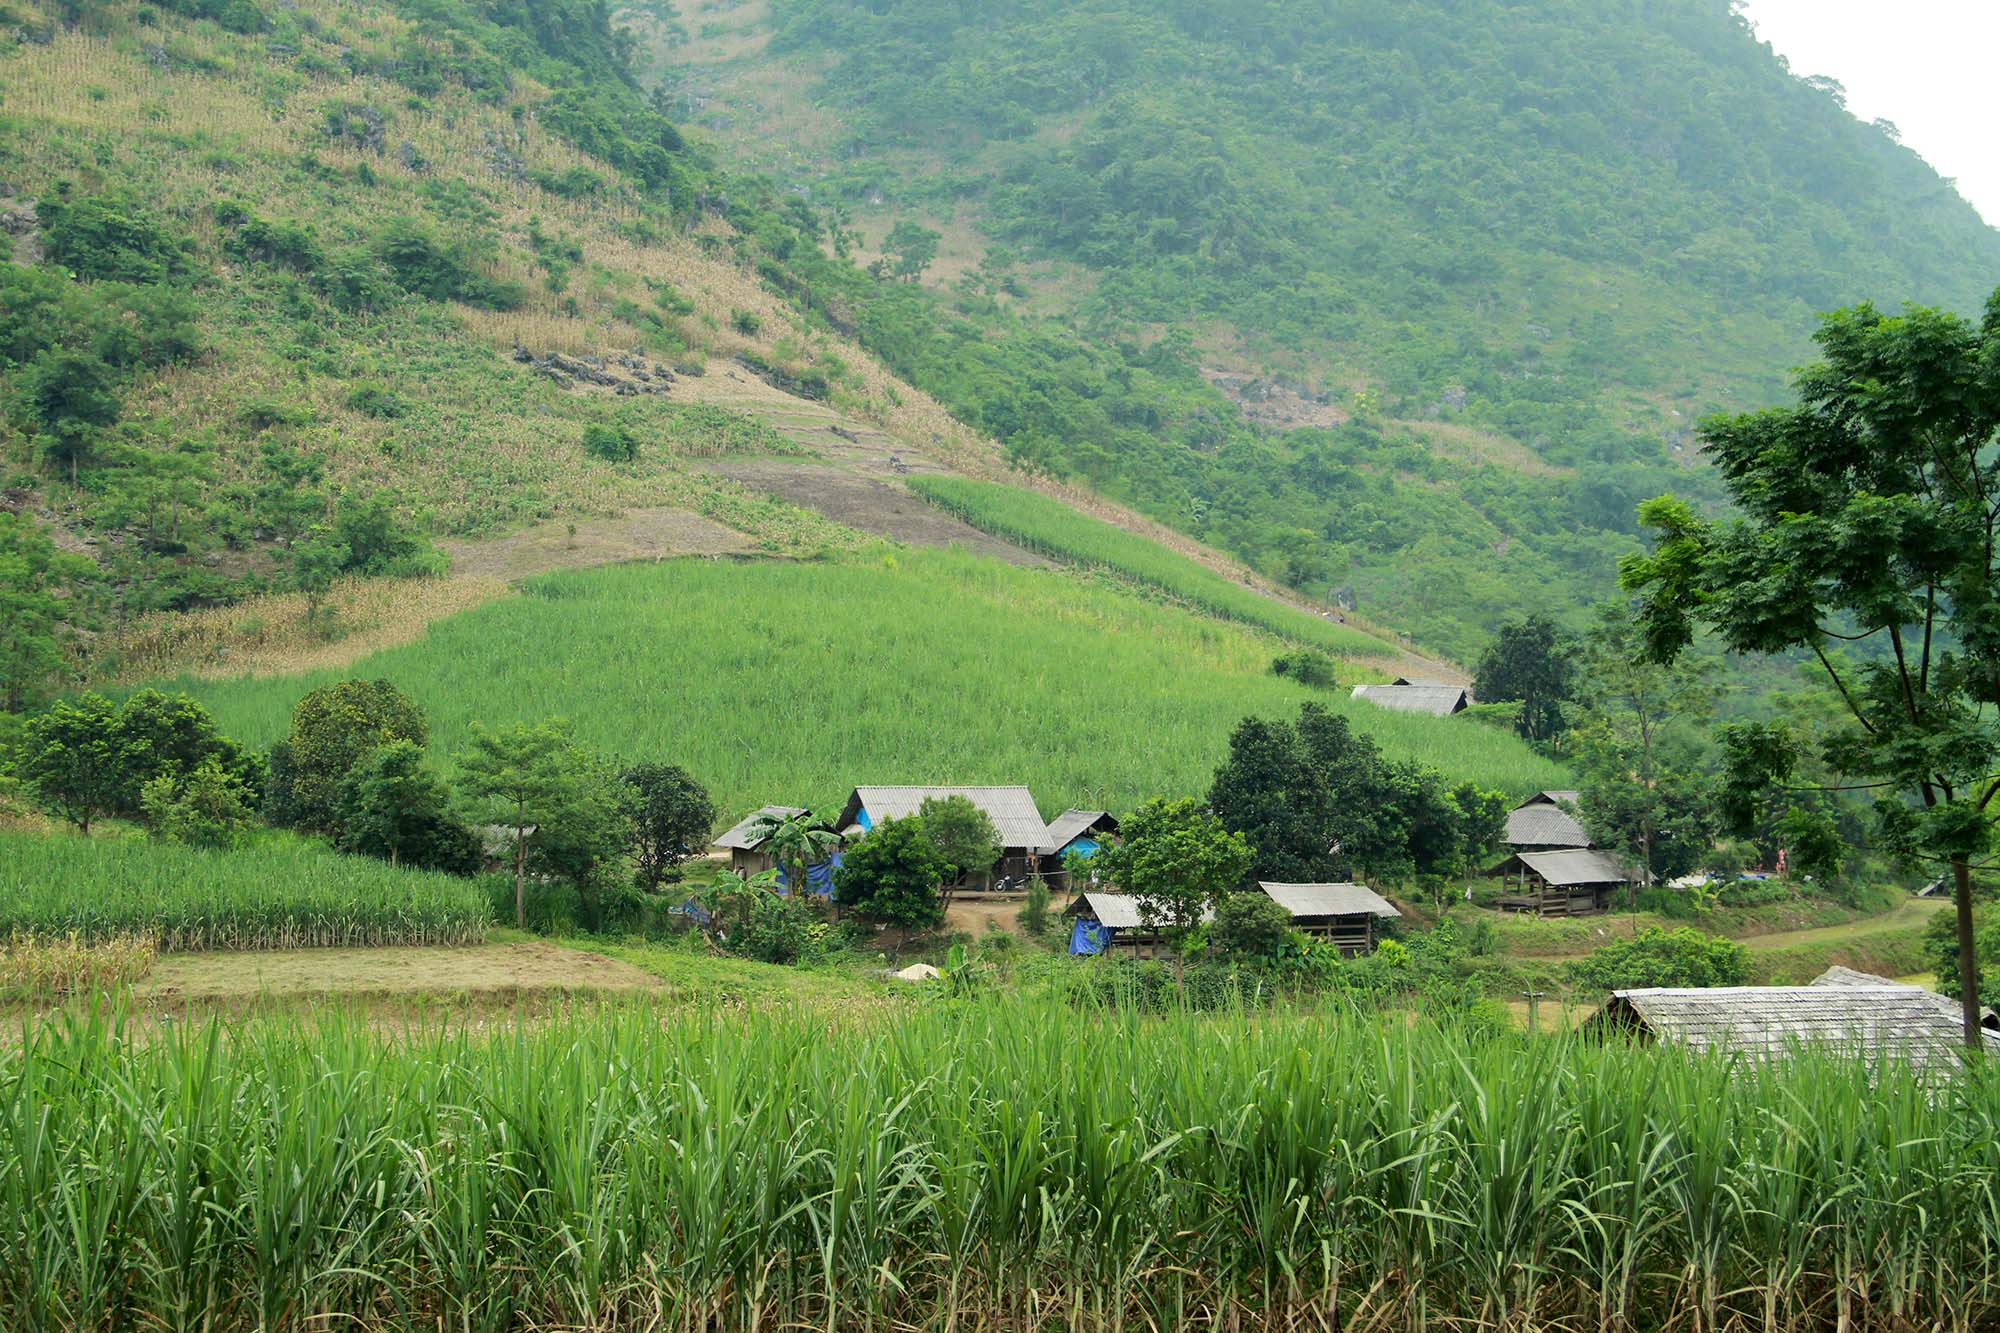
[1089, 937]
[819, 877]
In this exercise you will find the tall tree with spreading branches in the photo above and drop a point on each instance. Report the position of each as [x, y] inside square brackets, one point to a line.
[1870, 521]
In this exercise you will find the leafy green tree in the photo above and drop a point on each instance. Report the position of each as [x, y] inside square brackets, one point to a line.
[207, 807]
[1655, 957]
[1941, 944]
[1530, 661]
[1034, 915]
[962, 833]
[520, 778]
[672, 817]
[163, 735]
[892, 875]
[614, 444]
[394, 806]
[44, 595]
[1250, 924]
[72, 759]
[910, 249]
[313, 566]
[586, 834]
[333, 728]
[1866, 516]
[72, 397]
[109, 237]
[1480, 820]
[1178, 860]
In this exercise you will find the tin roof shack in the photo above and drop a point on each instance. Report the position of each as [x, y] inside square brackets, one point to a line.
[1577, 882]
[1540, 824]
[748, 854]
[1417, 696]
[1112, 923]
[1847, 976]
[1074, 832]
[1343, 913]
[1015, 818]
[1875, 1024]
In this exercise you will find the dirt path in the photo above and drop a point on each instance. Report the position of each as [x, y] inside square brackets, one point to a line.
[883, 507]
[1914, 912]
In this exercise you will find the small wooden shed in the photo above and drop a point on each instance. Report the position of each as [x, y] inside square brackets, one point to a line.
[1872, 1023]
[747, 854]
[1541, 824]
[1106, 923]
[1576, 882]
[1343, 913]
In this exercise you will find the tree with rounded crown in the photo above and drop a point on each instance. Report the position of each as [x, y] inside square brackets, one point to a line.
[1178, 860]
[1870, 521]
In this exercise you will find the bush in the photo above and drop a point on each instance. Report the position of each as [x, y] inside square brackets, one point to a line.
[1250, 925]
[1655, 957]
[892, 876]
[442, 270]
[1308, 666]
[109, 237]
[372, 400]
[614, 444]
[209, 807]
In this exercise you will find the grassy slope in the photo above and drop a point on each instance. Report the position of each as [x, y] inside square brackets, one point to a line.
[776, 682]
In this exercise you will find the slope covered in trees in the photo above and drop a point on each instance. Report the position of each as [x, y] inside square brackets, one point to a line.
[1506, 251]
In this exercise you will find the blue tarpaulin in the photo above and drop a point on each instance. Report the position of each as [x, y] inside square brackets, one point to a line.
[1089, 937]
[819, 877]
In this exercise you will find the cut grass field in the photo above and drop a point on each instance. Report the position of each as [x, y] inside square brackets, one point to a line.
[278, 893]
[776, 682]
[1054, 529]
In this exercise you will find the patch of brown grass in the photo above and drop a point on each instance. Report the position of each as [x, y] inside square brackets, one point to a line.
[50, 967]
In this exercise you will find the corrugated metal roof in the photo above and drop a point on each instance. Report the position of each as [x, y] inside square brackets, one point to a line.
[1070, 825]
[1847, 976]
[1120, 911]
[738, 838]
[1579, 866]
[1764, 1022]
[1329, 899]
[1012, 809]
[1539, 824]
[1437, 700]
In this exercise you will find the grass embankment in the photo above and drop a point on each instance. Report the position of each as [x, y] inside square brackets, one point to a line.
[981, 1166]
[278, 893]
[1053, 529]
[778, 682]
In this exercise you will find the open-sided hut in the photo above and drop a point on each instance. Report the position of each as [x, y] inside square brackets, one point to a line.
[1540, 824]
[1113, 923]
[1406, 695]
[1343, 913]
[1015, 818]
[748, 853]
[1575, 882]
[1872, 1023]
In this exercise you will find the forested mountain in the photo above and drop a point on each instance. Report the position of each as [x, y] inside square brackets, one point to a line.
[1486, 259]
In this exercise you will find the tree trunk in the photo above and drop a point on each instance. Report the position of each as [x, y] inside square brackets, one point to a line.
[520, 877]
[1968, 965]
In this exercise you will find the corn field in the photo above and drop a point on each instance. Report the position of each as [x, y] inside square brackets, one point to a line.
[1049, 527]
[277, 894]
[976, 1167]
[791, 683]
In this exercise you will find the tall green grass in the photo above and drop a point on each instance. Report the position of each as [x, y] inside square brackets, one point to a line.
[1051, 528]
[980, 1168]
[793, 683]
[280, 893]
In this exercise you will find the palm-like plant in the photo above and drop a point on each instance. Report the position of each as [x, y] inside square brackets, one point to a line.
[795, 845]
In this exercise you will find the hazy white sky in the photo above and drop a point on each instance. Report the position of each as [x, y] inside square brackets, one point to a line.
[1927, 65]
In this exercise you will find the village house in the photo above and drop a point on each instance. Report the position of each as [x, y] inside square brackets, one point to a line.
[1578, 881]
[748, 854]
[1875, 1023]
[1408, 695]
[1541, 824]
[1106, 923]
[1023, 834]
[1342, 913]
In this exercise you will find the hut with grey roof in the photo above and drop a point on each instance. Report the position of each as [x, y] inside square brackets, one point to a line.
[1104, 923]
[1541, 824]
[1407, 695]
[749, 854]
[1346, 914]
[1876, 1024]
[1847, 976]
[1575, 882]
[1023, 833]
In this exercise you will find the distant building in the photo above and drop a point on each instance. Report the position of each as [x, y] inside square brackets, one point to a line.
[748, 854]
[1113, 923]
[1343, 913]
[1015, 818]
[1847, 976]
[1876, 1024]
[1575, 882]
[1408, 695]
[1540, 824]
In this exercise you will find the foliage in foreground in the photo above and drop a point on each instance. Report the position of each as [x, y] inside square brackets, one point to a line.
[277, 893]
[1079, 1169]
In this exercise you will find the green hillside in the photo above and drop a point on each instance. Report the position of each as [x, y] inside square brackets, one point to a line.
[787, 683]
[1489, 260]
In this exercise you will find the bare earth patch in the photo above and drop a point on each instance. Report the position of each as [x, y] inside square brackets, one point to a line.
[881, 507]
[535, 967]
[638, 534]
